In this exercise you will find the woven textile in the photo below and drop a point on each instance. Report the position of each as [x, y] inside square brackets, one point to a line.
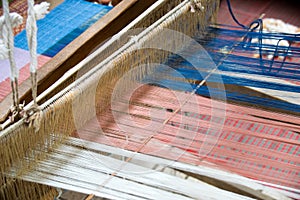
[242, 141]
[62, 25]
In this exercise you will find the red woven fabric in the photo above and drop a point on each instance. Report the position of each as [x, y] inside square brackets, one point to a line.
[257, 144]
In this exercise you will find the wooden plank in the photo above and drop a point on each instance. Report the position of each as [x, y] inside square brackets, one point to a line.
[82, 46]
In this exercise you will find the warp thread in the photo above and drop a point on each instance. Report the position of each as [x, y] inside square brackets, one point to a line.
[35, 12]
[196, 5]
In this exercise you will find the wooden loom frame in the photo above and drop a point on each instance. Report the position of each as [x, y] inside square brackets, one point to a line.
[63, 65]
[77, 50]
[81, 47]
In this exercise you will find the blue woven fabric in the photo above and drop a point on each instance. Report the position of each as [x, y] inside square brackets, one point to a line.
[234, 69]
[62, 25]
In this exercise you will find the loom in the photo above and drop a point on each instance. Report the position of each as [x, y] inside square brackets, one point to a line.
[174, 106]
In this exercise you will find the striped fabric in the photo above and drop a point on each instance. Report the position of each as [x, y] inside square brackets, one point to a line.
[62, 25]
[261, 145]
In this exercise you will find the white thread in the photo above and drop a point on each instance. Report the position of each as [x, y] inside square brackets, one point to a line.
[35, 12]
[41, 10]
[59, 190]
[193, 8]
[31, 30]
[196, 5]
[135, 39]
[279, 26]
[16, 20]
[3, 51]
[8, 39]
